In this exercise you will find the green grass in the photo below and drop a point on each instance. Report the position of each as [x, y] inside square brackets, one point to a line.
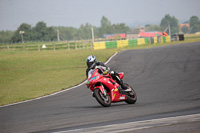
[26, 75]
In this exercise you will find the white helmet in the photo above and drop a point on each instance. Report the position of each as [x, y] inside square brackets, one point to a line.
[91, 61]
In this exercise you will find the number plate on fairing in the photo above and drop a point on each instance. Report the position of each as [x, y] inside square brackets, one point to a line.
[122, 98]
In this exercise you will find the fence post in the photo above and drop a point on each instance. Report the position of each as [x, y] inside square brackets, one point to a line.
[158, 39]
[38, 47]
[8, 48]
[54, 47]
[24, 47]
[84, 45]
[87, 45]
[68, 45]
[91, 45]
[75, 46]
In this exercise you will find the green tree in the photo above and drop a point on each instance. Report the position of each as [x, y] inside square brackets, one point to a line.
[193, 21]
[5, 36]
[51, 34]
[84, 32]
[152, 28]
[194, 24]
[106, 27]
[26, 36]
[40, 31]
[43, 33]
[120, 28]
[185, 29]
[172, 21]
[66, 33]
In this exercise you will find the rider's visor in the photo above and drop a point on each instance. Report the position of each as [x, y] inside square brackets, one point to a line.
[90, 63]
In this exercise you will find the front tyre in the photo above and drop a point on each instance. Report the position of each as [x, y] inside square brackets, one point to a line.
[131, 96]
[104, 100]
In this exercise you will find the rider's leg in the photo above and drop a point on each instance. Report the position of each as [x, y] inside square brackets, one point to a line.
[116, 76]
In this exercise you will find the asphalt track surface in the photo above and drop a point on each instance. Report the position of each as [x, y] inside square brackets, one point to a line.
[166, 80]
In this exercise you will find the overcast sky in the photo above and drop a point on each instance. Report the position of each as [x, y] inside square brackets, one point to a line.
[73, 13]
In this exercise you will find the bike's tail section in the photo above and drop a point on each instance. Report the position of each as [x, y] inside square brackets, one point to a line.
[121, 75]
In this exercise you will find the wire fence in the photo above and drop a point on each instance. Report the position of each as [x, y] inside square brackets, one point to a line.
[68, 45]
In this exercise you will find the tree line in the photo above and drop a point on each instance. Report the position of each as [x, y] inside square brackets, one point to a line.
[194, 27]
[40, 32]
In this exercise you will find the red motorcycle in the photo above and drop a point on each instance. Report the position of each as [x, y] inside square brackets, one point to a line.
[106, 90]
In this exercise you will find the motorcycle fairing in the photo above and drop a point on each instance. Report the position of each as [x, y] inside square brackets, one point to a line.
[116, 95]
[107, 81]
[121, 75]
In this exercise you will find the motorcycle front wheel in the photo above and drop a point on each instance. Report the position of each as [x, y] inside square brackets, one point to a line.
[103, 99]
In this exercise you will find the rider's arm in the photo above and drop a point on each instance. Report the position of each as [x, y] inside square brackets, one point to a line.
[104, 67]
[87, 70]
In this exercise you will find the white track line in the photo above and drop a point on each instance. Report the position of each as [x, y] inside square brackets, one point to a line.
[56, 92]
[138, 125]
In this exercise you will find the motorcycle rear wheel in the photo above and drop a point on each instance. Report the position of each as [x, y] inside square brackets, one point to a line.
[131, 96]
[104, 100]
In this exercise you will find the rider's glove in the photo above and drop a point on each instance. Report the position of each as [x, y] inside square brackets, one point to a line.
[105, 72]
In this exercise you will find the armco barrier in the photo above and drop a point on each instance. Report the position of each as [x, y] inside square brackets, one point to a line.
[122, 43]
[155, 40]
[99, 45]
[130, 43]
[146, 40]
[168, 39]
[111, 44]
[141, 41]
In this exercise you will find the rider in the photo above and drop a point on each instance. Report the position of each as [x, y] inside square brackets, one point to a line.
[92, 63]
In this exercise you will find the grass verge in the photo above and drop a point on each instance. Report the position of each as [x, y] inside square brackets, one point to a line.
[27, 75]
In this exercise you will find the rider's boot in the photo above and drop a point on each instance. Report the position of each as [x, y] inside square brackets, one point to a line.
[120, 82]
[122, 85]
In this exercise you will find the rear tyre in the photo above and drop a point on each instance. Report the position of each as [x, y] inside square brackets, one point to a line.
[104, 100]
[131, 96]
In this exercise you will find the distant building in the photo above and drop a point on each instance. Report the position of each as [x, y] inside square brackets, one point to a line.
[131, 35]
[134, 34]
[150, 34]
[115, 36]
